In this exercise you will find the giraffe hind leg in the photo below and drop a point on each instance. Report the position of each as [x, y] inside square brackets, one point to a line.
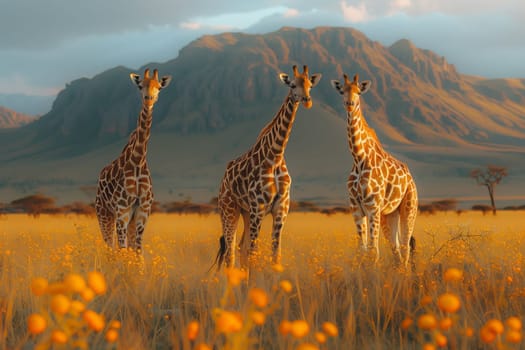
[132, 227]
[408, 211]
[140, 218]
[390, 226]
[229, 213]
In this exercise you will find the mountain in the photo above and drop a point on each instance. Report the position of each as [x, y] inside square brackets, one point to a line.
[13, 119]
[225, 88]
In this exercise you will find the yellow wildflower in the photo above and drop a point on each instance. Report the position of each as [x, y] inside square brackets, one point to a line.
[192, 330]
[93, 320]
[39, 286]
[427, 322]
[453, 275]
[60, 304]
[36, 324]
[229, 322]
[258, 297]
[330, 329]
[75, 283]
[58, 337]
[449, 302]
[111, 335]
[299, 328]
[286, 286]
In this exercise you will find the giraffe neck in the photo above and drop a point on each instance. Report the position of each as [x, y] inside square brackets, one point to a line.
[139, 146]
[273, 138]
[362, 140]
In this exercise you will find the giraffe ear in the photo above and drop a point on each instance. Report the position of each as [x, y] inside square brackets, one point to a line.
[285, 79]
[315, 78]
[165, 81]
[337, 85]
[136, 79]
[364, 86]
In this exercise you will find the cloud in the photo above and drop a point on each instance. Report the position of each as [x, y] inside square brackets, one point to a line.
[355, 14]
[45, 44]
[18, 84]
[291, 13]
[397, 5]
[46, 24]
[190, 25]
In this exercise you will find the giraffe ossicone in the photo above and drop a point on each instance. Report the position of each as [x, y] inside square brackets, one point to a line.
[124, 193]
[382, 191]
[257, 183]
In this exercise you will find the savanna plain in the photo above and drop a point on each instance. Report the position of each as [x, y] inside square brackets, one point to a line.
[61, 288]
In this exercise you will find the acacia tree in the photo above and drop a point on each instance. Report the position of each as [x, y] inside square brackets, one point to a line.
[489, 177]
[35, 204]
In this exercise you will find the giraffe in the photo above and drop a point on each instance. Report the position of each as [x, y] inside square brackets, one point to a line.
[124, 195]
[257, 183]
[383, 194]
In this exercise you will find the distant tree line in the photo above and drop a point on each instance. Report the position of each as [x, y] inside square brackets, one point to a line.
[38, 204]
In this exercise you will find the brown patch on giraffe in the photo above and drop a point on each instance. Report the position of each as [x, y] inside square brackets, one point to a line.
[379, 184]
[124, 185]
[261, 171]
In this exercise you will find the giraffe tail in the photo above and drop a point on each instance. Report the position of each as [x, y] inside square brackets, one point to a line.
[219, 259]
[412, 244]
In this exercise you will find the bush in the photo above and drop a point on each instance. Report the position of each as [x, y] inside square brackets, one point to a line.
[482, 208]
[35, 204]
[187, 207]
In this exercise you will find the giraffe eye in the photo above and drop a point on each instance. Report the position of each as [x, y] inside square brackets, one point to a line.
[293, 86]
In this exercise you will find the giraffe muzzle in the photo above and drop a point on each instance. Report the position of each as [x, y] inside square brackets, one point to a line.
[307, 102]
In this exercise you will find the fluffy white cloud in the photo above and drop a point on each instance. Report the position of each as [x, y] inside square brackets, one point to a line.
[355, 14]
[400, 4]
[190, 25]
[291, 13]
[44, 44]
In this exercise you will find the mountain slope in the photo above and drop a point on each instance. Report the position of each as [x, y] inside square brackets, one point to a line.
[13, 119]
[225, 87]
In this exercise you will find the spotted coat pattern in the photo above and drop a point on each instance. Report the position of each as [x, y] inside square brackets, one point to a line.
[124, 194]
[257, 183]
[383, 194]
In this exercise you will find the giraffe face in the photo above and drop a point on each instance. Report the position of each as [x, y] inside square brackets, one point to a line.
[301, 84]
[351, 90]
[150, 86]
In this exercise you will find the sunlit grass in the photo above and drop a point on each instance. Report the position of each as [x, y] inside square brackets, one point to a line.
[323, 297]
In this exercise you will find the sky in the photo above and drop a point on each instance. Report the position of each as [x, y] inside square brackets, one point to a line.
[46, 44]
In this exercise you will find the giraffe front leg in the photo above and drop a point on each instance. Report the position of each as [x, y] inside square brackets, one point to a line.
[280, 214]
[249, 246]
[123, 219]
[362, 231]
[106, 221]
[374, 225]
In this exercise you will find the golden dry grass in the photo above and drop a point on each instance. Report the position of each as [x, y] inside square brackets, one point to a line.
[372, 307]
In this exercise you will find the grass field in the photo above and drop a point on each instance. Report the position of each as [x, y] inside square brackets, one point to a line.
[323, 283]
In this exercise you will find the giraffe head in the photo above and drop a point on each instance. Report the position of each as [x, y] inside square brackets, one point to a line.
[301, 85]
[150, 86]
[351, 90]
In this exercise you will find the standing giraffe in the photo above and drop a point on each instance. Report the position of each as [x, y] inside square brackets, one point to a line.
[383, 194]
[124, 195]
[257, 183]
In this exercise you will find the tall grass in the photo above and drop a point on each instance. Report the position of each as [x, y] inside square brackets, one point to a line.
[373, 307]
